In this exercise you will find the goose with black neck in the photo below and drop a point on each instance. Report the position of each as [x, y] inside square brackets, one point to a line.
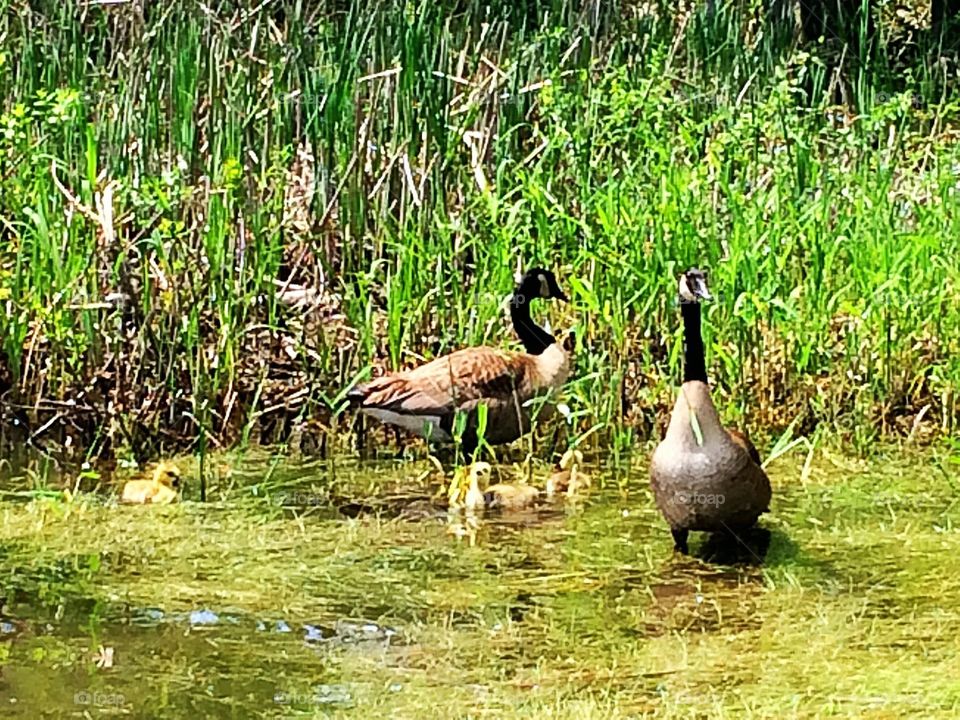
[704, 477]
[425, 400]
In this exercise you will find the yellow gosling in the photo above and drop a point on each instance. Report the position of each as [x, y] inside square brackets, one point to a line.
[511, 497]
[465, 489]
[162, 489]
[568, 478]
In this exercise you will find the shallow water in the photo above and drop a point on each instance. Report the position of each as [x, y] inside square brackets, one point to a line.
[338, 590]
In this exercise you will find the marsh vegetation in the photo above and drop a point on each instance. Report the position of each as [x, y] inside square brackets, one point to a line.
[215, 219]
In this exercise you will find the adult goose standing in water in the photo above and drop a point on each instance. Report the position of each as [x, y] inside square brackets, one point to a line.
[426, 399]
[703, 476]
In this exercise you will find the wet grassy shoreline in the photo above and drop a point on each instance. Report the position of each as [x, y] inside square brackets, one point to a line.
[246, 607]
[208, 231]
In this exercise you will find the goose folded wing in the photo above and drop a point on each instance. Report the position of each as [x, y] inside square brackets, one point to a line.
[459, 380]
[743, 441]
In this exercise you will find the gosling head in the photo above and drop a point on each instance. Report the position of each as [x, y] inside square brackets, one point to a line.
[540, 283]
[480, 471]
[465, 486]
[693, 286]
[167, 474]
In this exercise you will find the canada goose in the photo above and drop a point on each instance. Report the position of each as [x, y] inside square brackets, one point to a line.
[703, 476]
[568, 478]
[426, 399]
[160, 490]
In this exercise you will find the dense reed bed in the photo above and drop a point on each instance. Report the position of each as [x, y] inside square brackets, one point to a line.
[214, 217]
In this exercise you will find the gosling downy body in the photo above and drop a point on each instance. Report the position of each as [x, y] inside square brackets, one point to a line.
[507, 496]
[426, 399]
[162, 489]
[703, 476]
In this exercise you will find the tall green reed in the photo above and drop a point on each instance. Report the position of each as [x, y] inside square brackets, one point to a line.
[619, 144]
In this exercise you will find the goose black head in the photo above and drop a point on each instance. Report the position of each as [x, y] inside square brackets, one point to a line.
[693, 286]
[540, 283]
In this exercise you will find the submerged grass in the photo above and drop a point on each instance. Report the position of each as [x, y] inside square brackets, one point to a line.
[213, 219]
[582, 613]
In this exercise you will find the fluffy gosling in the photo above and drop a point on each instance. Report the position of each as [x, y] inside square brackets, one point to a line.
[162, 489]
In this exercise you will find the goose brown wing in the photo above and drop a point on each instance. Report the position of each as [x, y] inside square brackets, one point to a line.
[447, 383]
[758, 486]
[754, 476]
[743, 441]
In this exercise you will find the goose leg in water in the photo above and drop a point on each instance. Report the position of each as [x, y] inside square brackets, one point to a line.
[360, 435]
[680, 541]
